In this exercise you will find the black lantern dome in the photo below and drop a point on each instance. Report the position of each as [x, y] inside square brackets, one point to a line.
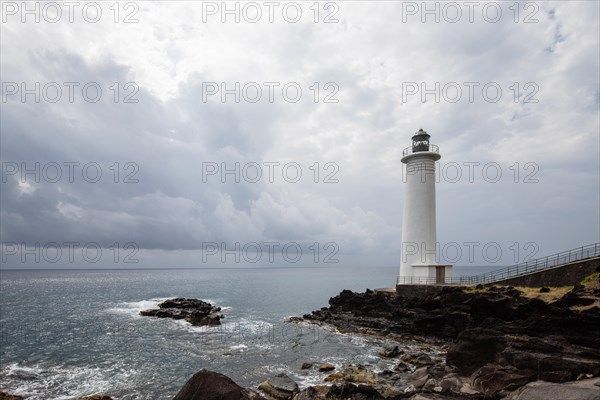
[420, 141]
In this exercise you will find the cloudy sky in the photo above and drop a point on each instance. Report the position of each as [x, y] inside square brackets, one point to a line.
[163, 129]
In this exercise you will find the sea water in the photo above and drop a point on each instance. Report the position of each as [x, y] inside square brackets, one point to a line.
[70, 333]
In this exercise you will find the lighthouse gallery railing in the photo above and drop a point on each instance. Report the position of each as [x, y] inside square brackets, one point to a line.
[411, 149]
[539, 264]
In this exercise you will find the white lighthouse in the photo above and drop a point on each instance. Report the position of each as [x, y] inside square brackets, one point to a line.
[418, 263]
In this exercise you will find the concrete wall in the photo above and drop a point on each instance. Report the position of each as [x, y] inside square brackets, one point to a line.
[566, 275]
[419, 290]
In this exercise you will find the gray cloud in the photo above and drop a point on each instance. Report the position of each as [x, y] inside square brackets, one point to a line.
[171, 131]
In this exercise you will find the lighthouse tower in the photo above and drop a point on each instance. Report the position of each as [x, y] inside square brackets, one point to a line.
[418, 264]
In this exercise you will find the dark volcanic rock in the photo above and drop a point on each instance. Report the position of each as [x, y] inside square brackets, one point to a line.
[196, 312]
[522, 338]
[418, 359]
[554, 358]
[353, 373]
[588, 389]
[402, 367]
[493, 378]
[389, 352]
[280, 387]
[312, 393]
[475, 348]
[208, 385]
[573, 299]
[6, 396]
[326, 367]
[351, 391]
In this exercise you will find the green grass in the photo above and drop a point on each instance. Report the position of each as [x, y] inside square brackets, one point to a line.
[591, 279]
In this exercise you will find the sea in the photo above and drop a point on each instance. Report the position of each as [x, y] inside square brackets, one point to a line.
[71, 333]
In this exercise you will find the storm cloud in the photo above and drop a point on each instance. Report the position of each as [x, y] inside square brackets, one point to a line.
[159, 129]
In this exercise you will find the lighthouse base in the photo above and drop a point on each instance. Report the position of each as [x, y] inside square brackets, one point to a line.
[427, 274]
[422, 290]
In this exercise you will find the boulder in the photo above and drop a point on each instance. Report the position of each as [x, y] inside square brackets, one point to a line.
[353, 374]
[419, 359]
[573, 299]
[419, 377]
[475, 348]
[435, 396]
[451, 383]
[96, 397]
[312, 393]
[492, 378]
[280, 387]
[196, 312]
[438, 371]
[199, 318]
[208, 385]
[588, 389]
[350, 391]
[326, 367]
[431, 385]
[484, 306]
[306, 366]
[552, 358]
[402, 367]
[389, 352]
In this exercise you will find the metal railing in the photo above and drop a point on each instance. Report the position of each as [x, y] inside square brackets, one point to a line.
[425, 280]
[409, 150]
[539, 264]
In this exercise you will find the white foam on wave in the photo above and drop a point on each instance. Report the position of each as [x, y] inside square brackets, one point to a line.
[304, 378]
[61, 382]
[233, 334]
[15, 368]
[313, 378]
[265, 346]
[133, 308]
[199, 330]
[245, 326]
[21, 372]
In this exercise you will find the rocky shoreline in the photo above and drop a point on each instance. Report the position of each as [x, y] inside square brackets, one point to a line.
[499, 339]
[558, 341]
[498, 343]
[502, 343]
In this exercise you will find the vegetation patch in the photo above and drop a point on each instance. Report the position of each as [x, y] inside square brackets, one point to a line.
[553, 294]
[592, 280]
